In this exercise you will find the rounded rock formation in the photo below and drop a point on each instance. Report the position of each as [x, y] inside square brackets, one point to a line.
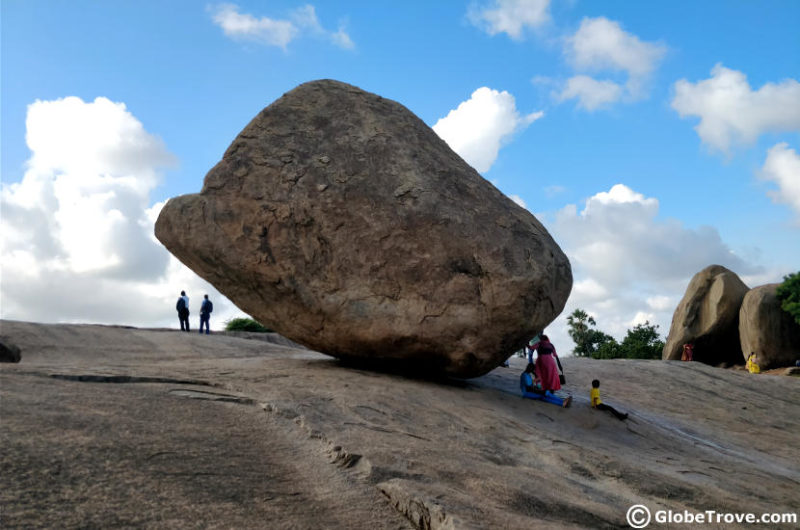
[342, 221]
[708, 317]
[767, 330]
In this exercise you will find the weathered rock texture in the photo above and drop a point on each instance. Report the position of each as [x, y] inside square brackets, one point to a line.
[223, 432]
[708, 317]
[342, 221]
[768, 330]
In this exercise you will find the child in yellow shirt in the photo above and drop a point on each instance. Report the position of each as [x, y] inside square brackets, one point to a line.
[594, 396]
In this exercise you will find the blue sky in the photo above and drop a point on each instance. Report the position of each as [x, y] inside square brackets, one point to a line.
[651, 138]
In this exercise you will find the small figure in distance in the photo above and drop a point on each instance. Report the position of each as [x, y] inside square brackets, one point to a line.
[688, 352]
[752, 365]
[599, 405]
[205, 313]
[182, 306]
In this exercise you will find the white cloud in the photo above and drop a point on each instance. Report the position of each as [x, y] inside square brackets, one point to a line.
[481, 125]
[247, 27]
[77, 238]
[510, 16]
[731, 113]
[628, 265]
[590, 93]
[275, 32]
[661, 303]
[782, 167]
[342, 39]
[601, 45]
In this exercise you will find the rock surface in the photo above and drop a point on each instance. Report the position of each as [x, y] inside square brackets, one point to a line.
[342, 221]
[708, 317]
[152, 429]
[768, 330]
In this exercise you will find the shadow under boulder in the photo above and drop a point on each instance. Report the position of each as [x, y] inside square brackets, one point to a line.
[9, 353]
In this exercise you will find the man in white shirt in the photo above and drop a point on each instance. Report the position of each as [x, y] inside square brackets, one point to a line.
[183, 311]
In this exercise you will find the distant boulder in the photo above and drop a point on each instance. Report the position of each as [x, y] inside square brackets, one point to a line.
[9, 353]
[708, 317]
[768, 330]
[342, 221]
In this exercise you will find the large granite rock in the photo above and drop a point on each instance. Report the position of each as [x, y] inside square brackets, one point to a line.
[708, 317]
[768, 330]
[342, 221]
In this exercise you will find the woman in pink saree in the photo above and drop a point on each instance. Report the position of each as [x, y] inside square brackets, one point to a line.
[546, 368]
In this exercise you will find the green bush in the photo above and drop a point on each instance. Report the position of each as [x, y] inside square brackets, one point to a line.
[245, 324]
[789, 294]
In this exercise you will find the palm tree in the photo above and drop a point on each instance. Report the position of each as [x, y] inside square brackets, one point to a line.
[579, 322]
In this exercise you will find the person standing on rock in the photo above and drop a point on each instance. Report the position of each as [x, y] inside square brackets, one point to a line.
[546, 367]
[752, 364]
[530, 347]
[205, 313]
[182, 306]
[688, 352]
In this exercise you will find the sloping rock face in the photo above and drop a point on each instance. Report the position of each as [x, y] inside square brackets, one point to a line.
[708, 317]
[768, 330]
[342, 221]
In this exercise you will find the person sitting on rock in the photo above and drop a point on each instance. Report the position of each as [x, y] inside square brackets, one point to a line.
[597, 403]
[531, 387]
[752, 365]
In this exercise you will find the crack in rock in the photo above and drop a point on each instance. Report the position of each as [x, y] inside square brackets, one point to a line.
[94, 378]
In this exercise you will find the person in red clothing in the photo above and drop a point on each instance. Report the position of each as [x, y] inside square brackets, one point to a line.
[546, 367]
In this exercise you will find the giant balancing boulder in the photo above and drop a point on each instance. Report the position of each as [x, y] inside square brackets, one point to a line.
[341, 220]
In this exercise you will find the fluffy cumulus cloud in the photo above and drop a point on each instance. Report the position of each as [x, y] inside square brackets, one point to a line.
[510, 16]
[481, 125]
[782, 167]
[591, 93]
[276, 32]
[601, 45]
[628, 265]
[77, 239]
[732, 113]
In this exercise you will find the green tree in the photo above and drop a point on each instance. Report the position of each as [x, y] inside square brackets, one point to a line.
[789, 294]
[609, 349]
[642, 342]
[587, 339]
